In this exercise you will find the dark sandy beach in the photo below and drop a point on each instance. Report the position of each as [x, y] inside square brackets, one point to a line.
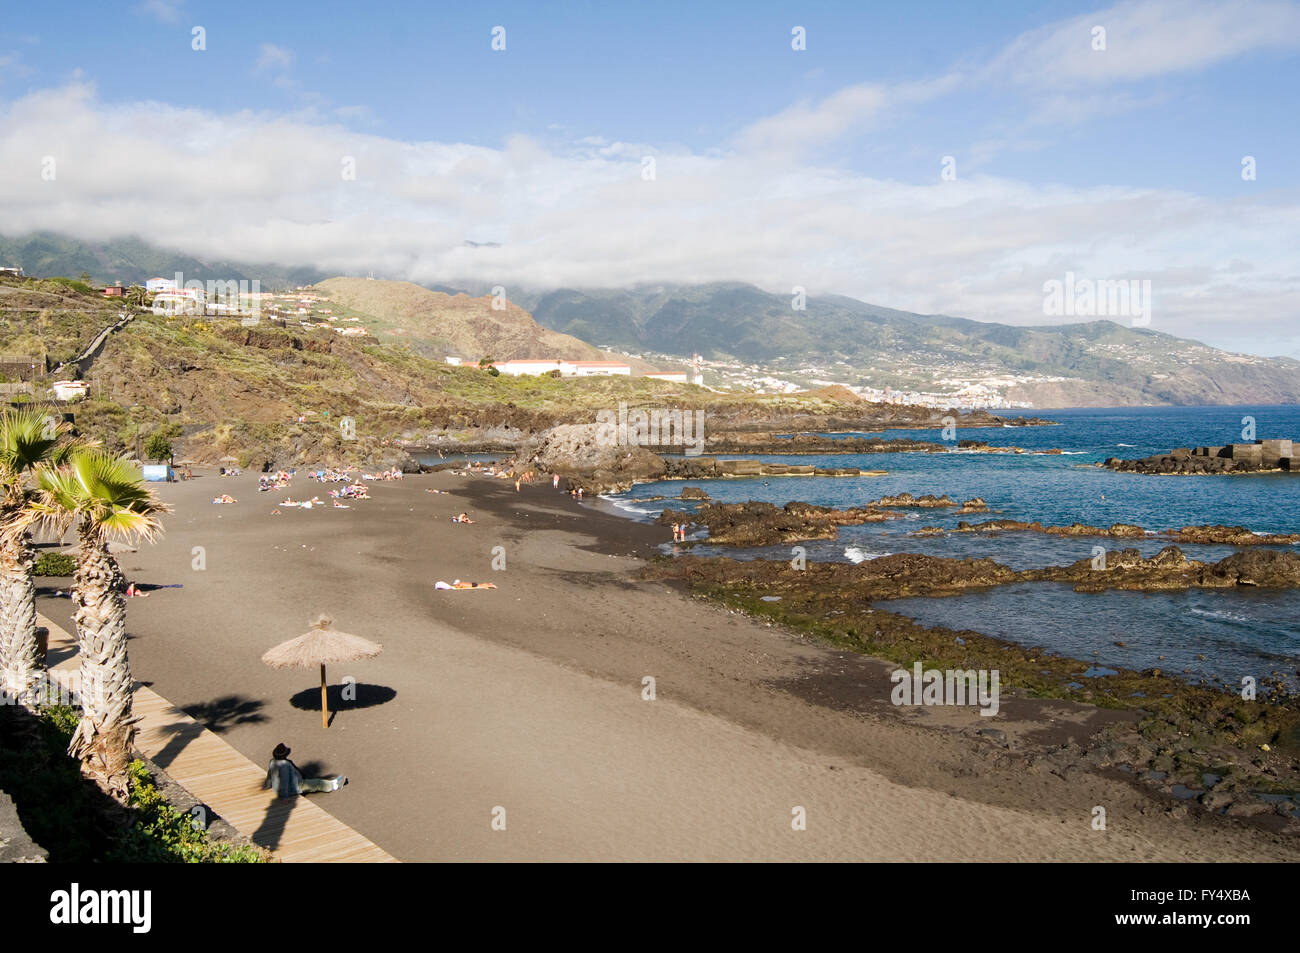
[530, 697]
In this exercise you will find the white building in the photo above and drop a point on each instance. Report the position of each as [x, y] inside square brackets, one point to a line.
[676, 377]
[566, 368]
[594, 369]
[518, 368]
[185, 301]
[70, 390]
[155, 285]
[453, 361]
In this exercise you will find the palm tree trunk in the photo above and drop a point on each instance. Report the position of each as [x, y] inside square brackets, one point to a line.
[20, 656]
[102, 741]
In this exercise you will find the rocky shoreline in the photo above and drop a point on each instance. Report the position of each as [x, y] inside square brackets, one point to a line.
[1262, 456]
[763, 524]
[1200, 744]
[1220, 535]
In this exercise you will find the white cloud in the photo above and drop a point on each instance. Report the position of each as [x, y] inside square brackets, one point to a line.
[166, 11]
[1146, 39]
[257, 186]
[273, 59]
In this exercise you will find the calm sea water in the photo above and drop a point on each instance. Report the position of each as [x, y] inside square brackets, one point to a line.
[1233, 630]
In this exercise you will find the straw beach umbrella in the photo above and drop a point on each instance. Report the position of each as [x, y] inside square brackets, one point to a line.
[321, 646]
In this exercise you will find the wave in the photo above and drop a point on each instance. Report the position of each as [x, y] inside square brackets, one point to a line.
[1221, 614]
[629, 506]
[1126, 445]
[856, 554]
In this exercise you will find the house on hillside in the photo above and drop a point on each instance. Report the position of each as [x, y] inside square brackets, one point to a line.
[14, 272]
[676, 377]
[518, 368]
[69, 390]
[114, 291]
[189, 301]
[566, 368]
[157, 285]
[595, 369]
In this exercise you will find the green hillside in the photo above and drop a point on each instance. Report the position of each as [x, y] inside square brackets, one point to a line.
[1100, 362]
[133, 261]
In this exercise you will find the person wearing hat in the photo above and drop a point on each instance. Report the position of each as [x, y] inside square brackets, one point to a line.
[284, 778]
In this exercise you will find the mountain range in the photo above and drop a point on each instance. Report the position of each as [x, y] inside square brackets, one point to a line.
[832, 338]
[1094, 363]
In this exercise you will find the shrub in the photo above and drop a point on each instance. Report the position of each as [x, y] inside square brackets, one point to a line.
[173, 833]
[158, 447]
[54, 564]
[65, 813]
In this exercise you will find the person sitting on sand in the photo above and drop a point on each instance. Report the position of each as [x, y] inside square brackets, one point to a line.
[133, 590]
[457, 584]
[284, 778]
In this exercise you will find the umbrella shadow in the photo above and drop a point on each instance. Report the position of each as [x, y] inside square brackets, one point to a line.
[217, 716]
[343, 697]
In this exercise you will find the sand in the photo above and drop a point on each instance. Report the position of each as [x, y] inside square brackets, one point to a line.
[530, 697]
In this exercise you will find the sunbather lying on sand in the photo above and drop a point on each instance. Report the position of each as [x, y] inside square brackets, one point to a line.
[457, 584]
[225, 498]
[462, 518]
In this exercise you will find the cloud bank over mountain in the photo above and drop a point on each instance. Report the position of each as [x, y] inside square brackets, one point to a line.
[769, 206]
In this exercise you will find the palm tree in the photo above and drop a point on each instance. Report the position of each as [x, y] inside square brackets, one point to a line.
[103, 496]
[136, 296]
[28, 439]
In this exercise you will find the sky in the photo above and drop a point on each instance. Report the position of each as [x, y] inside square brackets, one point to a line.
[933, 157]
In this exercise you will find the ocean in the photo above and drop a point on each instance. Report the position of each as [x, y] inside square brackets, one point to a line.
[1237, 632]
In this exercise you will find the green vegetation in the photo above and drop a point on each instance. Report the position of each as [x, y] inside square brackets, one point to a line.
[158, 447]
[170, 835]
[67, 815]
[54, 564]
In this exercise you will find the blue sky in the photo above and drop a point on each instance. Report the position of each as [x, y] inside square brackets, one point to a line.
[819, 167]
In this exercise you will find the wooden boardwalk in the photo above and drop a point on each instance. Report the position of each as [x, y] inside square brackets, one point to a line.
[295, 830]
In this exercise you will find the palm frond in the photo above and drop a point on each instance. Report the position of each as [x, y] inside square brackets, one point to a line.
[28, 436]
[103, 491]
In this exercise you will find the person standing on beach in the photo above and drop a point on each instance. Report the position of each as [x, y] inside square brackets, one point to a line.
[555, 481]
